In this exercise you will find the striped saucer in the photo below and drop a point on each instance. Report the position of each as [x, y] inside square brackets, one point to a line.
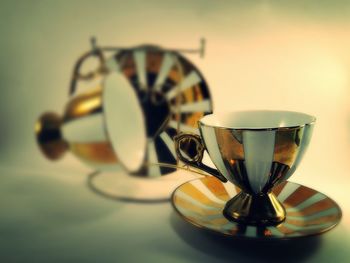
[201, 202]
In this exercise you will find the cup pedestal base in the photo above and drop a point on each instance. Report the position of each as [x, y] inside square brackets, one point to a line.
[262, 209]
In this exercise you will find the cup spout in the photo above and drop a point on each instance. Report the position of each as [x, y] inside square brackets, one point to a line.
[49, 137]
[262, 209]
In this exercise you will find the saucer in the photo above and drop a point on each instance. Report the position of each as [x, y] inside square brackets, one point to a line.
[309, 212]
[173, 95]
[119, 185]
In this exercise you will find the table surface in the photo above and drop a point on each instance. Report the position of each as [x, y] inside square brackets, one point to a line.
[49, 214]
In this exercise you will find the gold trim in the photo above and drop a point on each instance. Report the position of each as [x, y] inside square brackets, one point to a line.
[234, 234]
[264, 129]
[98, 152]
[257, 129]
[261, 210]
[287, 145]
[196, 159]
[84, 104]
[49, 137]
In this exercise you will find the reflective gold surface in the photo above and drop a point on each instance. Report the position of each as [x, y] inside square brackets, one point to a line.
[100, 152]
[172, 93]
[230, 144]
[49, 137]
[262, 209]
[84, 104]
[190, 150]
[255, 176]
[287, 144]
[308, 212]
[246, 207]
[172, 105]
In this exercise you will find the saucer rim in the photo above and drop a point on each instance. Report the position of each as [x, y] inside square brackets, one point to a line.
[260, 238]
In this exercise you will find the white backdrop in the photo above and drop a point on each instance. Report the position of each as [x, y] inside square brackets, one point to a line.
[259, 55]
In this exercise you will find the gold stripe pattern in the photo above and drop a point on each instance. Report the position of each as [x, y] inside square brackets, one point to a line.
[317, 213]
[99, 152]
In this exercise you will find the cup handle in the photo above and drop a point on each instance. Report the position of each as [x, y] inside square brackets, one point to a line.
[195, 159]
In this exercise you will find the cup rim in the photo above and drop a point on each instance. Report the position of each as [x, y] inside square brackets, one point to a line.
[113, 134]
[311, 120]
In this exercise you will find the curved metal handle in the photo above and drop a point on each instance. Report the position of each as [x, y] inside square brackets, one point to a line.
[190, 150]
[77, 75]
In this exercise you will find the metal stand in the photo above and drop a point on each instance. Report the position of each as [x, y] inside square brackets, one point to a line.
[97, 51]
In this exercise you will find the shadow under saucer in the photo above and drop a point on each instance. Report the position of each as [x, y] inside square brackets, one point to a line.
[245, 250]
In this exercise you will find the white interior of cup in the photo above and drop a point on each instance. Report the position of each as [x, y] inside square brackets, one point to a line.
[124, 121]
[260, 119]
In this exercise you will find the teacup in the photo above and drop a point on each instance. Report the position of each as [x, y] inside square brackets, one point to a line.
[254, 150]
[96, 126]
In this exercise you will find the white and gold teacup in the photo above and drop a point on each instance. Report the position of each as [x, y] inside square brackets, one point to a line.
[97, 126]
[254, 150]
